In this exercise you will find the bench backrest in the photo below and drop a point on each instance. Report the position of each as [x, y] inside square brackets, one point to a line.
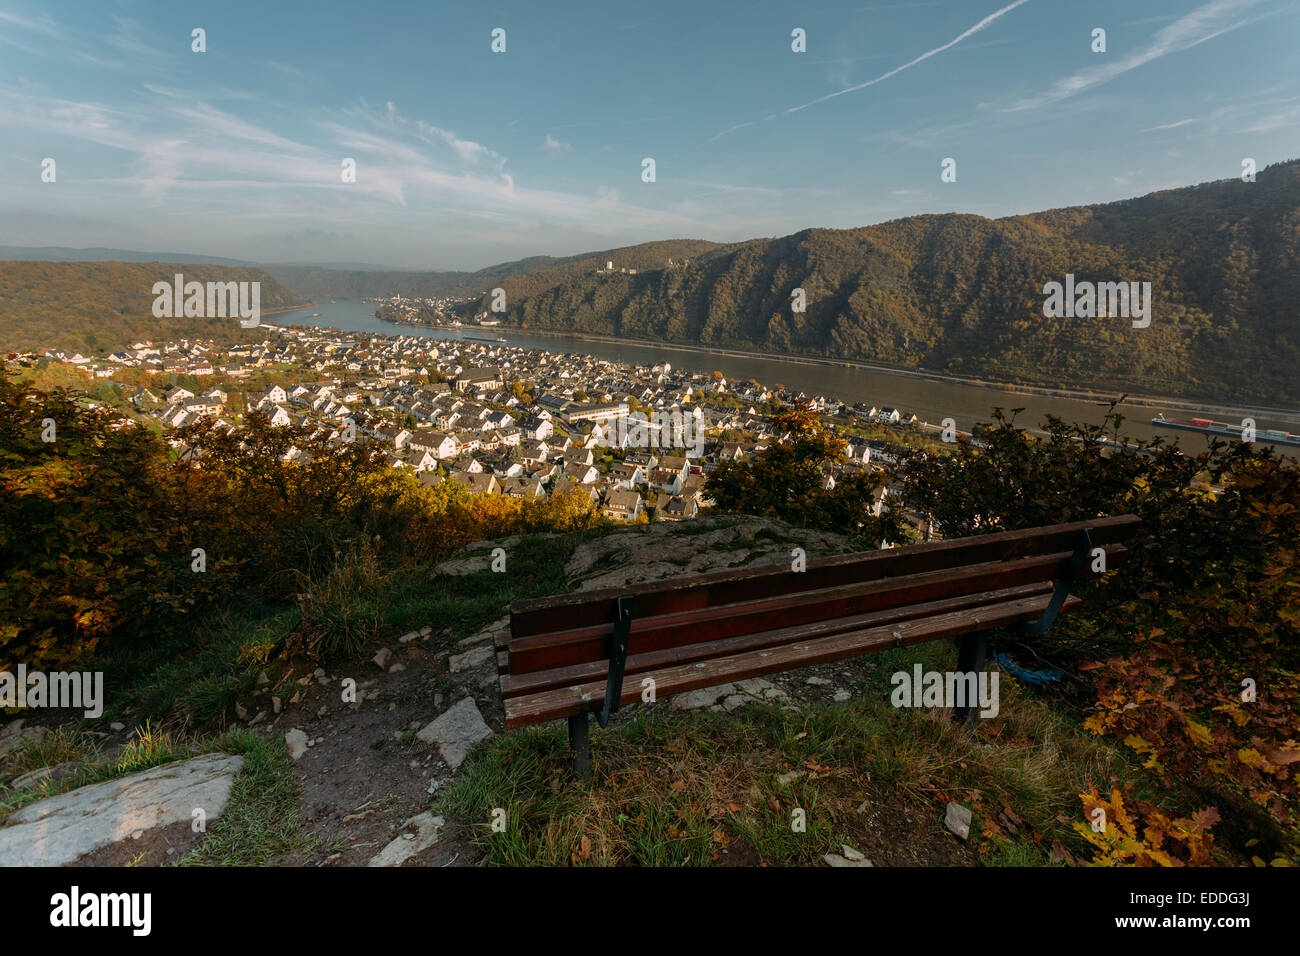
[572, 629]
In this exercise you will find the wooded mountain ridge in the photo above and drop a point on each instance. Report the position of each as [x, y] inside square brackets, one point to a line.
[86, 306]
[964, 294]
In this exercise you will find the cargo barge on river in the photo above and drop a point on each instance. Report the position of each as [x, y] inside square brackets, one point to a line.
[1270, 436]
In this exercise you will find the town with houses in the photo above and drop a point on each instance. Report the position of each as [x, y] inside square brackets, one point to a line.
[640, 442]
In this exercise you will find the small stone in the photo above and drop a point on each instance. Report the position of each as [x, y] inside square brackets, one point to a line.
[275, 705]
[241, 711]
[786, 779]
[834, 859]
[696, 699]
[262, 679]
[381, 658]
[407, 845]
[318, 672]
[397, 668]
[471, 658]
[116, 726]
[296, 740]
[850, 853]
[407, 638]
[37, 777]
[957, 819]
[817, 681]
[842, 695]
[426, 631]
[456, 731]
[322, 711]
[734, 702]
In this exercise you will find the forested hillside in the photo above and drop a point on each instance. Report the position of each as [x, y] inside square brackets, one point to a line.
[107, 305]
[533, 274]
[964, 294]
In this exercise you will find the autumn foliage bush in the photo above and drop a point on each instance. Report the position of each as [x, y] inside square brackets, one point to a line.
[101, 528]
[1190, 649]
[786, 481]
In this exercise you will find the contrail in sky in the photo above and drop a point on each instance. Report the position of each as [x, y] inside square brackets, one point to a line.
[924, 56]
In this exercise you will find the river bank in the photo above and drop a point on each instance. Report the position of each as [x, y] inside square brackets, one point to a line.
[1151, 400]
[932, 396]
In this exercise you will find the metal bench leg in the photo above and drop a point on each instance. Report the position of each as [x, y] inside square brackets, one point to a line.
[971, 655]
[580, 744]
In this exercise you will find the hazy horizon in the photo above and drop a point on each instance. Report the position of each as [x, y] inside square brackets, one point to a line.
[381, 267]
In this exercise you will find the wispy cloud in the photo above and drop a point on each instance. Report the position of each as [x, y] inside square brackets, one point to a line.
[43, 25]
[1152, 129]
[1288, 117]
[553, 145]
[729, 130]
[1257, 112]
[175, 93]
[1201, 25]
[188, 154]
[728, 188]
[983, 24]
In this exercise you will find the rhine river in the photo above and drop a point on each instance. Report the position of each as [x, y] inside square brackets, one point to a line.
[931, 399]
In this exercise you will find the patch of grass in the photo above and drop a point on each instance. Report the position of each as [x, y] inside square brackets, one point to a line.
[58, 745]
[194, 678]
[702, 788]
[150, 748]
[260, 823]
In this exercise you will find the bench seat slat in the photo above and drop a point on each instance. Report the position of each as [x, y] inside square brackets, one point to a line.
[542, 652]
[516, 685]
[579, 698]
[567, 611]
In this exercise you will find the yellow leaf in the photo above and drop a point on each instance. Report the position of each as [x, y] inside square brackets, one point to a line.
[1199, 733]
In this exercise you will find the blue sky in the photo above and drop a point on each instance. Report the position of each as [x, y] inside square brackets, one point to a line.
[467, 157]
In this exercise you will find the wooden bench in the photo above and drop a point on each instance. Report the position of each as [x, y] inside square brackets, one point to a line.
[573, 655]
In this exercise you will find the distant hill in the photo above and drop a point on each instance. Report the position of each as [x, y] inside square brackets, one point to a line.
[964, 294]
[318, 282]
[107, 305]
[99, 254]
